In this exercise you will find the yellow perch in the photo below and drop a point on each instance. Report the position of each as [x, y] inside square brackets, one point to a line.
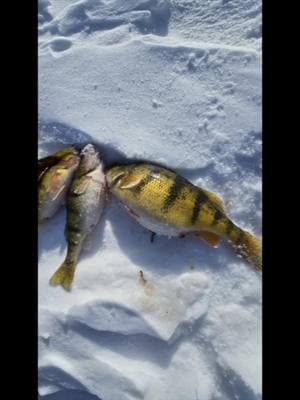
[85, 205]
[54, 181]
[168, 204]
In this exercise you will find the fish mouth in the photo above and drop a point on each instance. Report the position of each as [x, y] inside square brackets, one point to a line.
[88, 150]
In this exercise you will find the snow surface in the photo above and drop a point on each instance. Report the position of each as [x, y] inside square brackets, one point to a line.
[179, 83]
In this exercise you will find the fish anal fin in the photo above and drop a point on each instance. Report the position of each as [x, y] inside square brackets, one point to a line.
[215, 199]
[211, 238]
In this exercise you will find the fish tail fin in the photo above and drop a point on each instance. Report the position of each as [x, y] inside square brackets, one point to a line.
[64, 276]
[247, 246]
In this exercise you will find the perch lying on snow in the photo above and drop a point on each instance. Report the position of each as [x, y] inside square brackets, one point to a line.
[85, 204]
[168, 204]
[158, 198]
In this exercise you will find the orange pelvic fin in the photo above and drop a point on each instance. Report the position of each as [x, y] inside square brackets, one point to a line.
[211, 238]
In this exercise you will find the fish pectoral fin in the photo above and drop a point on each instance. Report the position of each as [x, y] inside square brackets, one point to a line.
[130, 181]
[211, 238]
[215, 199]
[80, 186]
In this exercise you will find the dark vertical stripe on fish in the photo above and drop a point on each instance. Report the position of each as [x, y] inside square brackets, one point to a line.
[73, 234]
[200, 199]
[72, 215]
[240, 237]
[74, 229]
[218, 215]
[174, 191]
[229, 227]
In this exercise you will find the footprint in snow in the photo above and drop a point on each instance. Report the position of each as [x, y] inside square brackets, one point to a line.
[60, 44]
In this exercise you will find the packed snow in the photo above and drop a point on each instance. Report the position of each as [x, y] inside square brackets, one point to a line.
[177, 83]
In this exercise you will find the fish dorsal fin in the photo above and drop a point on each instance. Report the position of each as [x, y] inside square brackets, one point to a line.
[80, 185]
[215, 199]
[130, 181]
[211, 238]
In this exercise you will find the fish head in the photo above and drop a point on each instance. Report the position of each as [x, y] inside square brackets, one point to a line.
[52, 189]
[70, 160]
[115, 174]
[88, 150]
[55, 171]
[90, 158]
[66, 153]
[54, 179]
[123, 180]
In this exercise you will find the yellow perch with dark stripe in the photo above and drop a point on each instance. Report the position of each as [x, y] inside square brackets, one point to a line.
[168, 204]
